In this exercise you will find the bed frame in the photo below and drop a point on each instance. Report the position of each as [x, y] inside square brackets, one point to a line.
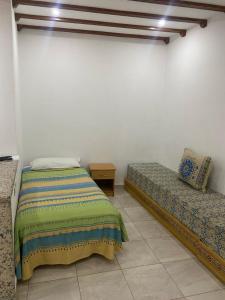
[214, 262]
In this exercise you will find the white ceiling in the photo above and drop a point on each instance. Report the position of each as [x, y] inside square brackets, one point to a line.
[120, 5]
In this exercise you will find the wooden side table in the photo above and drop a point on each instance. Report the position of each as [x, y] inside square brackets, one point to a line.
[104, 176]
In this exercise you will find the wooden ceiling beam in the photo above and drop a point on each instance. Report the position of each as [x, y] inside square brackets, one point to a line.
[107, 11]
[186, 4]
[166, 40]
[19, 16]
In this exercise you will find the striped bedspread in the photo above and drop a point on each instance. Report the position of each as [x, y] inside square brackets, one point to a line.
[62, 217]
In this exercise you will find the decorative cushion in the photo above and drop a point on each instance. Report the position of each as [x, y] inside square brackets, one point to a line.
[195, 169]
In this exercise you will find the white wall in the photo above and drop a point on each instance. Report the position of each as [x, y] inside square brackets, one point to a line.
[194, 102]
[16, 85]
[8, 139]
[107, 99]
[94, 97]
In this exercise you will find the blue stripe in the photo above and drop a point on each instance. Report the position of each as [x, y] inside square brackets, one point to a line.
[71, 238]
[54, 178]
[57, 188]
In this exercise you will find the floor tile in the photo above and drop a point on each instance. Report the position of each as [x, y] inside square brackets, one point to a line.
[104, 286]
[64, 289]
[21, 290]
[133, 233]
[138, 214]
[47, 273]
[124, 214]
[151, 282]
[120, 190]
[221, 285]
[167, 249]
[136, 253]
[190, 277]
[124, 201]
[95, 264]
[217, 295]
[150, 229]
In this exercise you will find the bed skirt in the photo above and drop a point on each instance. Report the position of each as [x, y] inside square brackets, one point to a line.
[68, 255]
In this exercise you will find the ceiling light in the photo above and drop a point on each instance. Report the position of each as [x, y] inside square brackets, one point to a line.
[55, 12]
[162, 22]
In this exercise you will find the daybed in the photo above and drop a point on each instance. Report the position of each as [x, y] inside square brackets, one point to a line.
[197, 219]
[62, 217]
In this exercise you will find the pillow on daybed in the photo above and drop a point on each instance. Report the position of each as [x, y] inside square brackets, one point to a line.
[54, 163]
[195, 169]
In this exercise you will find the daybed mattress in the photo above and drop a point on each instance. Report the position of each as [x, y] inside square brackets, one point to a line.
[62, 217]
[203, 213]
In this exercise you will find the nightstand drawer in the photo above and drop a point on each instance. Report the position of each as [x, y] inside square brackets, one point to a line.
[106, 174]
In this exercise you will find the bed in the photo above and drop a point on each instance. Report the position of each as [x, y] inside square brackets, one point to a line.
[197, 219]
[62, 217]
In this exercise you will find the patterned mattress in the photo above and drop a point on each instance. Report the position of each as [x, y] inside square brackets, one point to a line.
[203, 213]
[63, 216]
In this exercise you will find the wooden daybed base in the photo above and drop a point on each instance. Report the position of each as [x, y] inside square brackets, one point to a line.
[214, 262]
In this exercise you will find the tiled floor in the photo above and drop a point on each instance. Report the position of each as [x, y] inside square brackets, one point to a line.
[152, 266]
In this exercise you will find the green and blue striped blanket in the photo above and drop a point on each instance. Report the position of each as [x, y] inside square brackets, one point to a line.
[62, 217]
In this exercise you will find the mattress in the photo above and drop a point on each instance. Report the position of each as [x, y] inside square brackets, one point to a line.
[62, 217]
[203, 213]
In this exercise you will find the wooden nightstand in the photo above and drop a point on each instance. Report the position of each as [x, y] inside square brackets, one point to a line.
[104, 176]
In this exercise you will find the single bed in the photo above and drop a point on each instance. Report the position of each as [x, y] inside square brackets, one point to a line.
[197, 219]
[62, 217]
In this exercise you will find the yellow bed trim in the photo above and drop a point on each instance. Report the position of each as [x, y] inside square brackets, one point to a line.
[67, 255]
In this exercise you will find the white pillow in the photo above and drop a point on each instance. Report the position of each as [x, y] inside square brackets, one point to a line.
[55, 163]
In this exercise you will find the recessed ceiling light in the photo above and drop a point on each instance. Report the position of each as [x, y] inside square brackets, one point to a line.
[55, 12]
[162, 22]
